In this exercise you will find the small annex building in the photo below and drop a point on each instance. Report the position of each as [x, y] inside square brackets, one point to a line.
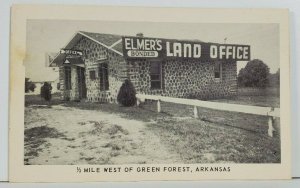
[93, 66]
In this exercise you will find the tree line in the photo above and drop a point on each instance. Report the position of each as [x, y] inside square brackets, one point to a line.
[257, 74]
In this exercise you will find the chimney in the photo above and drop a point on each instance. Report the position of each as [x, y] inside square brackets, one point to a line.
[140, 35]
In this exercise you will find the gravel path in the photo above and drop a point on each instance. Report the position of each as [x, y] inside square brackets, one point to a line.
[61, 135]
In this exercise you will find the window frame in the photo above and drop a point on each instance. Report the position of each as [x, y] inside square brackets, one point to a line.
[103, 72]
[94, 75]
[160, 74]
[220, 71]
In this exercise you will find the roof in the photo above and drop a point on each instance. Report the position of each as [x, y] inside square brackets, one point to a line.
[49, 57]
[110, 41]
[107, 39]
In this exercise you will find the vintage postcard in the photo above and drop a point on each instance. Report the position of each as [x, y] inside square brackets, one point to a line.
[134, 93]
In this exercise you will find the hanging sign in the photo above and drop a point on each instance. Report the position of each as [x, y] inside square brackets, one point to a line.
[141, 47]
[71, 52]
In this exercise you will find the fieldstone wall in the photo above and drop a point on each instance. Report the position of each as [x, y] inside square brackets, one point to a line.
[61, 76]
[186, 79]
[93, 55]
[73, 93]
[181, 78]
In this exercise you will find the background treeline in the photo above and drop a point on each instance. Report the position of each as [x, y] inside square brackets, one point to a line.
[257, 74]
[29, 85]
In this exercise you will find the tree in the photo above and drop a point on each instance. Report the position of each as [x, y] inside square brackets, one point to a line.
[277, 77]
[126, 95]
[29, 85]
[255, 74]
[274, 79]
[46, 91]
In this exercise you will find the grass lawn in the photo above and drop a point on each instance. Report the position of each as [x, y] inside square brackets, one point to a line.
[268, 97]
[37, 100]
[216, 137]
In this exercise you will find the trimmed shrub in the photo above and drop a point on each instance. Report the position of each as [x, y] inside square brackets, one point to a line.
[255, 74]
[126, 95]
[46, 91]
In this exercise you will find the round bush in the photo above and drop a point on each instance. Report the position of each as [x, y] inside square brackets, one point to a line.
[46, 91]
[126, 95]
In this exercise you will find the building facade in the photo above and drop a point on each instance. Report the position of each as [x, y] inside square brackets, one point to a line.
[93, 66]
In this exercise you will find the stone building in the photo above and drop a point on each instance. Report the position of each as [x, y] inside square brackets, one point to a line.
[93, 66]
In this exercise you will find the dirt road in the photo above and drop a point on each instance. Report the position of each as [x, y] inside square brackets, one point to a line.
[62, 135]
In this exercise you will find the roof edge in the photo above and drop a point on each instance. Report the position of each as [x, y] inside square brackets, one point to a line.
[108, 47]
[91, 38]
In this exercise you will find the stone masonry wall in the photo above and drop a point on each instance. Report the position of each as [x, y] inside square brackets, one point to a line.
[62, 83]
[74, 94]
[186, 79]
[181, 78]
[94, 54]
[71, 94]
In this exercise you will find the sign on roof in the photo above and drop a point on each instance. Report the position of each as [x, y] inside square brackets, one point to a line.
[71, 52]
[141, 47]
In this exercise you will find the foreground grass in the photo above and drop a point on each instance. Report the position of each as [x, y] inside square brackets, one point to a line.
[204, 142]
[216, 137]
[37, 100]
[268, 97]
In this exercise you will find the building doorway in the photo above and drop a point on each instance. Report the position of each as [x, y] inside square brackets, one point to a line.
[81, 82]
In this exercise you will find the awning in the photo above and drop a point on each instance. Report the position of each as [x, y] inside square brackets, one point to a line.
[74, 61]
[58, 60]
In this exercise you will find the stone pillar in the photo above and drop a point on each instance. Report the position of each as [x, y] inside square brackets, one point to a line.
[74, 82]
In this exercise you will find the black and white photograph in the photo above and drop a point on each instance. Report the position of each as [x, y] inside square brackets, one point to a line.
[111, 92]
[101, 93]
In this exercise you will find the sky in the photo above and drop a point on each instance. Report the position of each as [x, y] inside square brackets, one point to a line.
[44, 36]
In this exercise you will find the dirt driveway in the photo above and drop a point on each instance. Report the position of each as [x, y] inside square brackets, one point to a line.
[62, 135]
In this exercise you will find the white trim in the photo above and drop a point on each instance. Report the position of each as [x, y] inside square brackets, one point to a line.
[54, 59]
[103, 59]
[257, 110]
[100, 43]
[114, 44]
[82, 34]
[74, 35]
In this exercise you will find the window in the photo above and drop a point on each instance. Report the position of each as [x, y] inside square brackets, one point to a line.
[156, 75]
[218, 70]
[92, 75]
[103, 75]
[68, 84]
